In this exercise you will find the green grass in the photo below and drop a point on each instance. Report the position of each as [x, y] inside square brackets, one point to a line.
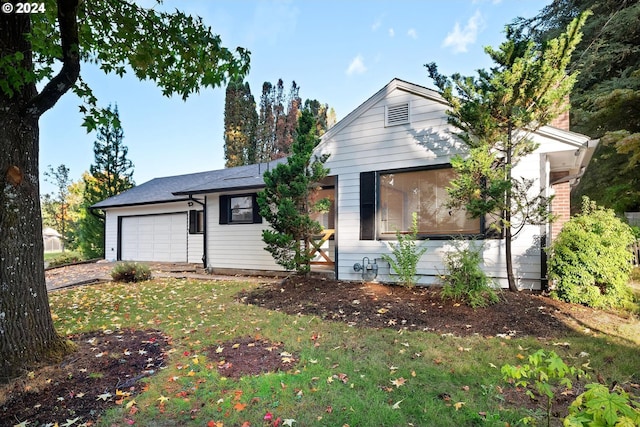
[200, 314]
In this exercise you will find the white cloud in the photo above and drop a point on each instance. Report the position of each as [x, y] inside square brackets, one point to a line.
[356, 66]
[459, 39]
[376, 24]
[391, 32]
[412, 33]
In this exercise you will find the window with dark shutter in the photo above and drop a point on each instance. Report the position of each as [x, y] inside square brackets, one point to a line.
[367, 205]
[239, 209]
[196, 221]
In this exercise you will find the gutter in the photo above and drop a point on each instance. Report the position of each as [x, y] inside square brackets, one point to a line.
[204, 227]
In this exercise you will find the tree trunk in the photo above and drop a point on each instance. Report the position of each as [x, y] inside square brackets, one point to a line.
[27, 334]
[507, 214]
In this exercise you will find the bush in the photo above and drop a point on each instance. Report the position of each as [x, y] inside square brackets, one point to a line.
[131, 272]
[590, 260]
[64, 258]
[405, 255]
[464, 280]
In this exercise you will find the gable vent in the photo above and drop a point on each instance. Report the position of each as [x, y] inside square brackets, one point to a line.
[397, 114]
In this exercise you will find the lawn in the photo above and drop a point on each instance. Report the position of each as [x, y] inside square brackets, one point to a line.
[328, 373]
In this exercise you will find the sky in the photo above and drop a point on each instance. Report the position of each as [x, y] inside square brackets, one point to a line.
[339, 52]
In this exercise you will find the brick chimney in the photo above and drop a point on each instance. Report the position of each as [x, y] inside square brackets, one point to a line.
[562, 121]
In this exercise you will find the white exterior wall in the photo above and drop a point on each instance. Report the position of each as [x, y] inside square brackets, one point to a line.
[195, 242]
[366, 144]
[235, 246]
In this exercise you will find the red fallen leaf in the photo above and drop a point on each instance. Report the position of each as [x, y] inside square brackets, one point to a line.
[129, 421]
[329, 409]
[186, 353]
[268, 416]
[246, 424]
[277, 422]
[133, 410]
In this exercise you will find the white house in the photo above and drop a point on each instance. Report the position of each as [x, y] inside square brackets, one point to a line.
[389, 157]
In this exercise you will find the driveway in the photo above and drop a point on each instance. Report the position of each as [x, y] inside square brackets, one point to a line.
[98, 272]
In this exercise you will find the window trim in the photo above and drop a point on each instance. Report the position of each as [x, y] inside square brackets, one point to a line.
[366, 233]
[194, 215]
[225, 209]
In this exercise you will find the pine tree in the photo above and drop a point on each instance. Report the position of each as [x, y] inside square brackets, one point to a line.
[277, 120]
[496, 114]
[240, 124]
[605, 101]
[110, 174]
[324, 116]
[286, 200]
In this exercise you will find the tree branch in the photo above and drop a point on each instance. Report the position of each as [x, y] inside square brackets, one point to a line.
[70, 71]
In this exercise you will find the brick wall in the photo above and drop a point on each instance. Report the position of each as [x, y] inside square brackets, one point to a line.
[560, 207]
[562, 121]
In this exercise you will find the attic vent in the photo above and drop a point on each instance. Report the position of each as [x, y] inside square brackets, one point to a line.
[397, 114]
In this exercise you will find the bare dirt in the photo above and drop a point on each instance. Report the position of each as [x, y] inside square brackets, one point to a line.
[107, 368]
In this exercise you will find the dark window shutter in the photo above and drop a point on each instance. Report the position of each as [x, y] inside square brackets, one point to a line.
[257, 219]
[367, 205]
[193, 221]
[224, 209]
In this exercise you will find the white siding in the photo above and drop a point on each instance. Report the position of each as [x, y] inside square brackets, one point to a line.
[235, 246]
[194, 249]
[365, 144]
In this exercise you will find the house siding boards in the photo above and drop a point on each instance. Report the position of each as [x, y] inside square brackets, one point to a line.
[235, 246]
[365, 144]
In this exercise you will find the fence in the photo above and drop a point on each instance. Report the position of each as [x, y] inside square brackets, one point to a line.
[635, 247]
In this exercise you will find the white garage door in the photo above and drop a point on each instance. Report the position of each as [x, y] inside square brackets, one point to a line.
[160, 238]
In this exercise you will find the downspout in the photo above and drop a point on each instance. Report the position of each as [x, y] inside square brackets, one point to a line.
[204, 227]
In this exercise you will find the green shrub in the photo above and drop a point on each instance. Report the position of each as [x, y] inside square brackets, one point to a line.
[590, 260]
[464, 280]
[541, 377]
[64, 258]
[406, 254]
[598, 406]
[131, 272]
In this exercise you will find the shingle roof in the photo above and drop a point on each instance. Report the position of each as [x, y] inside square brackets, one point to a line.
[179, 187]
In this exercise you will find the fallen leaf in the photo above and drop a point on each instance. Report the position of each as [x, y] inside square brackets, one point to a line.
[398, 382]
[458, 405]
[397, 404]
[104, 396]
[288, 422]
[239, 406]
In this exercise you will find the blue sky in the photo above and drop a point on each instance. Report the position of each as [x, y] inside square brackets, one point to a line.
[338, 52]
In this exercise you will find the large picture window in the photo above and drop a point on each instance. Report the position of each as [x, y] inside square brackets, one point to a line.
[425, 193]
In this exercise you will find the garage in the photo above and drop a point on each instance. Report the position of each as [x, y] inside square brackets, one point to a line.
[161, 238]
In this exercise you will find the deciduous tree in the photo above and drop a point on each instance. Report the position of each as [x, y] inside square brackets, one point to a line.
[495, 114]
[175, 50]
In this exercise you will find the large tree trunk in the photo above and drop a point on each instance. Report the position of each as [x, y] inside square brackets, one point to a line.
[27, 334]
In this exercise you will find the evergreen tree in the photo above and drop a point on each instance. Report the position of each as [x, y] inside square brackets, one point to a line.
[324, 116]
[286, 200]
[605, 101]
[40, 56]
[110, 174]
[277, 120]
[495, 114]
[240, 123]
